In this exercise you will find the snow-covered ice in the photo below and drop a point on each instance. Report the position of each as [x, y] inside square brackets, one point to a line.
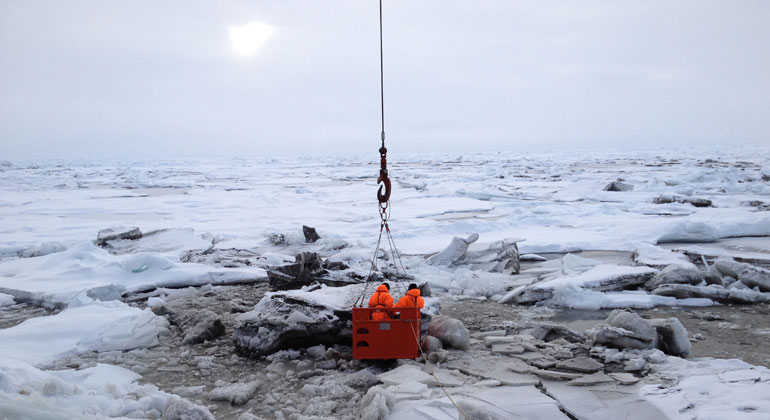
[93, 326]
[224, 221]
[6, 300]
[102, 391]
[56, 278]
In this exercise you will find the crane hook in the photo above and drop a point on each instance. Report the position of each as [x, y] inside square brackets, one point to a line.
[383, 178]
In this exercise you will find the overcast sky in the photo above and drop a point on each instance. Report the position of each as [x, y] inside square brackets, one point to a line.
[82, 79]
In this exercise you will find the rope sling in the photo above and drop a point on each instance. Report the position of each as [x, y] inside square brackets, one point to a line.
[383, 195]
[383, 200]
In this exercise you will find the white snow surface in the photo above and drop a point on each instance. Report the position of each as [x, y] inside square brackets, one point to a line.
[99, 392]
[56, 278]
[553, 199]
[656, 256]
[96, 325]
[51, 212]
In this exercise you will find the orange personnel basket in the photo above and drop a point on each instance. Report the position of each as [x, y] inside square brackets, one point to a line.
[386, 339]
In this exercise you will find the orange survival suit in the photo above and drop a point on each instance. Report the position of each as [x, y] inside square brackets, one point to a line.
[381, 299]
[411, 298]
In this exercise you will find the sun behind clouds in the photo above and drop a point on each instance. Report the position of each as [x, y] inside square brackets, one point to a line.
[249, 38]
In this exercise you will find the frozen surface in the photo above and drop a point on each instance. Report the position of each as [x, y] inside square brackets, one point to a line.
[102, 391]
[712, 388]
[6, 300]
[656, 256]
[596, 278]
[96, 325]
[58, 277]
[497, 402]
[554, 200]
[51, 212]
[589, 300]
[194, 213]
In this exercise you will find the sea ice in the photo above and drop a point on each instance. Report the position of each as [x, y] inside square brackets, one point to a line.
[655, 256]
[6, 300]
[705, 389]
[97, 326]
[56, 278]
[94, 392]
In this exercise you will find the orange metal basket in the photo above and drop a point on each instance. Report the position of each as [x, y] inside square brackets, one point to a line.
[386, 339]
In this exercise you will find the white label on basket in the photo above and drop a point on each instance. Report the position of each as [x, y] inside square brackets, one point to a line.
[384, 326]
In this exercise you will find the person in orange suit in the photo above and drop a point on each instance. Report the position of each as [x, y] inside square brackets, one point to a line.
[381, 299]
[411, 298]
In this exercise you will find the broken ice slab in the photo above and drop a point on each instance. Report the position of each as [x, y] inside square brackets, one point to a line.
[603, 402]
[85, 266]
[556, 375]
[489, 340]
[657, 257]
[509, 377]
[686, 291]
[518, 366]
[677, 274]
[624, 378]
[499, 257]
[410, 390]
[749, 375]
[695, 201]
[482, 402]
[496, 372]
[530, 331]
[121, 232]
[454, 252]
[492, 333]
[605, 277]
[696, 253]
[184, 243]
[518, 285]
[508, 348]
[580, 364]
[487, 383]
[449, 377]
[595, 378]
[407, 373]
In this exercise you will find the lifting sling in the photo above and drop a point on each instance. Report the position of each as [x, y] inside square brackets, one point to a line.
[397, 336]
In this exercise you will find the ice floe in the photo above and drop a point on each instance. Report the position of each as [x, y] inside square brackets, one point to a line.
[102, 391]
[91, 326]
[56, 278]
